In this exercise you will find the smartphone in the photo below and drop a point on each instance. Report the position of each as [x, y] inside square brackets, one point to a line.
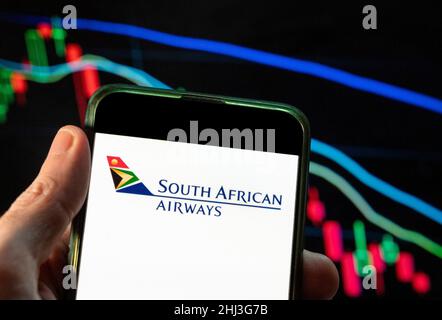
[192, 196]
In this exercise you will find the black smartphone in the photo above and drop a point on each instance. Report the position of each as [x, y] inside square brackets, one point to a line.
[192, 196]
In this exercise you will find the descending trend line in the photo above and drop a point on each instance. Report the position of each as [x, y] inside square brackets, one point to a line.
[50, 74]
[38, 71]
[253, 55]
[370, 214]
[57, 72]
[374, 182]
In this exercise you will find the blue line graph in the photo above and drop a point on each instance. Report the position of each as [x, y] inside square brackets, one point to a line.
[317, 146]
[41, 74]
[258, 56]
[374, 182]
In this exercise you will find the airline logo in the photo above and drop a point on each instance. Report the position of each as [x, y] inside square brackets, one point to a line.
[190, 198]
[125, 180]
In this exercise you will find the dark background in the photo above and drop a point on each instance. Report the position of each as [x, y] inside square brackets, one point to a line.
[397, 142]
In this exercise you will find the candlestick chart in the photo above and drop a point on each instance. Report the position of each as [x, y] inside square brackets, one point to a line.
[371, 202]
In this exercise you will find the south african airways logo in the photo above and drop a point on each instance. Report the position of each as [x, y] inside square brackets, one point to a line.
[189, 198]
[125, 180]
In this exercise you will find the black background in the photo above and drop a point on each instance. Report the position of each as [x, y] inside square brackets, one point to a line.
[397, 142]
[156, 122]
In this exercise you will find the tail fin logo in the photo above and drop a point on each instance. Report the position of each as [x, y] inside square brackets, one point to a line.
[125, 181]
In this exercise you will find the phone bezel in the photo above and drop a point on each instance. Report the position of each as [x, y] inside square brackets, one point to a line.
[301, 196]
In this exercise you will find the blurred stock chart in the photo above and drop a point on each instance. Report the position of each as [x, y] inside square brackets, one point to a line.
[373, 99]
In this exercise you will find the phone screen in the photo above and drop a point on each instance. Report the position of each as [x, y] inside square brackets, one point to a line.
[174, 220]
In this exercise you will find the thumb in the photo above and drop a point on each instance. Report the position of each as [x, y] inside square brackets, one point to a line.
[40, 215]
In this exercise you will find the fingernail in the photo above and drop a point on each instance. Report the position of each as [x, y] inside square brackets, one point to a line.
[62, 142]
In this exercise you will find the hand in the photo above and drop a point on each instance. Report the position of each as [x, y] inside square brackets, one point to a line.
[34, 231]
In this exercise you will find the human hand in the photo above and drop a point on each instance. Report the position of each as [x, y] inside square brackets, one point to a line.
[34, 232]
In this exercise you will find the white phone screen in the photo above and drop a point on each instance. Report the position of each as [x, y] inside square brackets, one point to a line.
[171, 220]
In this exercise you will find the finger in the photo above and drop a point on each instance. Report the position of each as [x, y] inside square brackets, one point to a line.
[51, 271]
[66, 237]
[320, 278]
[40, 215]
